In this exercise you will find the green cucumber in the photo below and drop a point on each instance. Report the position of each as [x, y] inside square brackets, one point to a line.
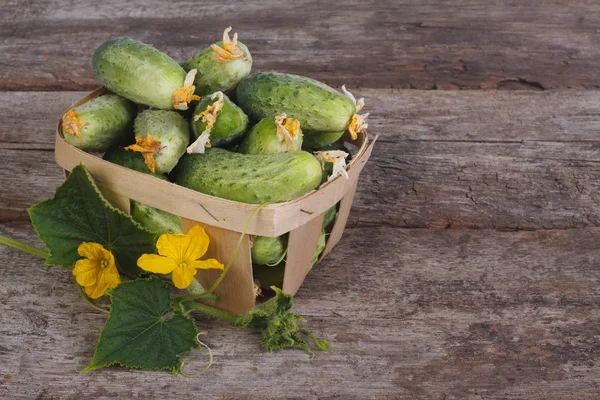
[320, 247]
[139, 72]
[131, 160]
[224, 121]
[214, 75]
[329, 216]
[314, 140]
[270, 136]
[319, 107]
[269, 276]
[100, 123]
[268, 250]
[254, 179]
[155, 220]
[170, 129]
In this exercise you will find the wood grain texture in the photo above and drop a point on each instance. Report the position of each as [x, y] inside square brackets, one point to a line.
[505, 44]
[302, 245]
[410, 314]
[507, 160]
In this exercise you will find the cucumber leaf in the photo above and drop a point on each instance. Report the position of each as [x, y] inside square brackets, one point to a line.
[143, 329]
[279, 325]
[79, 213]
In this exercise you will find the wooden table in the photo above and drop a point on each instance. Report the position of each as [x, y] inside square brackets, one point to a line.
[470, 266]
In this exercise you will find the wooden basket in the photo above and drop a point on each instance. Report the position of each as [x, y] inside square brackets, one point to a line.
[224, 220]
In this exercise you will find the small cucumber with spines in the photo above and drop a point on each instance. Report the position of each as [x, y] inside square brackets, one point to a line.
[268, 250]
[141, 73]
[319, 107]
[320, 247]
[254, 179]
[227, 126]
[313, 140]
[155, 220]
[131, 160]
[329, 216]
[273, 135]
[167, 128]
[220, 69]
[99, 123]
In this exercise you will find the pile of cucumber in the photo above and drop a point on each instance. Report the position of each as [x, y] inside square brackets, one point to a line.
[208, 125]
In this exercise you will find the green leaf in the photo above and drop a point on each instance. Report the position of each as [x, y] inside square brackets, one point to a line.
[143, 329]
[78, 213]
[279, 325]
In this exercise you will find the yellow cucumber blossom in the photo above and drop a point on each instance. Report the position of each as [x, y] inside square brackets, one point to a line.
[97, 272]
[230, 50]
[71, 124]
[209, 116]
[288, 129]
[358, 123]
[256, 289]
[338, 158]
[178, 255]
[185, 94]
[148, 147]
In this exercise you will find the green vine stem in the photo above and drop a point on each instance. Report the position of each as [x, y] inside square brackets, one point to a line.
[34, 251]
[208, 310]
[210, 360]
[89, 302]
[196, 291]
[321, 344]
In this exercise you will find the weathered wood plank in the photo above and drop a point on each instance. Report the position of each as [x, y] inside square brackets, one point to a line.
[419, 314]
[499, 116]
[47, 45]
[510, 160]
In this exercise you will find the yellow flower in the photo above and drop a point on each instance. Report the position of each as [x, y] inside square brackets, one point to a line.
[209, 116]
[185, 94]
[71, 124]
[288, 129]
[148, 147]
[97, 272]
[179, 254]
[230, 50]
[358, 123]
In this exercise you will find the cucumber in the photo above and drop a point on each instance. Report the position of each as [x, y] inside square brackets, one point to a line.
[334, 146]
[314, 140]
[143, 74]
[273, 135]
[269, 276]
[219, 69]
[318, 107]
[320, 247]
[157, 221]
[161, 136]
[99, 123]
[329, 217]
[220, 120]
[255, 179]
[131, 160]
[268, 250]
